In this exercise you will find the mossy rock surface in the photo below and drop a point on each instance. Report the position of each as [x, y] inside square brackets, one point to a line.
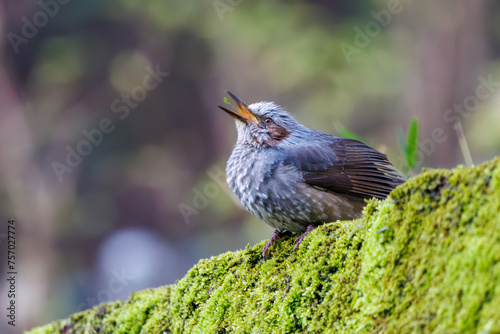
[425, 260]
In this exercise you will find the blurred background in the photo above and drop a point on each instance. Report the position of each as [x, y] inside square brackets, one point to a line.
[112, 148]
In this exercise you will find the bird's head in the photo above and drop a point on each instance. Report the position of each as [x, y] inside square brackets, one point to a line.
[263, 124]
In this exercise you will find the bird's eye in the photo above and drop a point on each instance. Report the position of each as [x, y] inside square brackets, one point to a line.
[268, 120]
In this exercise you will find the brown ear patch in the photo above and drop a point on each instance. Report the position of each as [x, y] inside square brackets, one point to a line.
[277, 132]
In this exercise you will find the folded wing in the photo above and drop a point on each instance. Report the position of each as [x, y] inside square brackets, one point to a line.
[346, 166]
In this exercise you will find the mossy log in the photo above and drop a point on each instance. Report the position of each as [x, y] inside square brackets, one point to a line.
[425, 260]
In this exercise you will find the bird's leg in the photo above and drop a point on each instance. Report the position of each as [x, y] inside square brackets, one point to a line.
[276, 235]
[300, 238]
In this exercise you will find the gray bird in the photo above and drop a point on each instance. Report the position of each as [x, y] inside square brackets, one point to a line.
[294, 178]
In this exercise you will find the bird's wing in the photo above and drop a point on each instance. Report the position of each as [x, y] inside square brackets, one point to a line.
[345, 166]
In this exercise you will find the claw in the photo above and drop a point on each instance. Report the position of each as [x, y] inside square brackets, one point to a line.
[276, 235]
[300, 238]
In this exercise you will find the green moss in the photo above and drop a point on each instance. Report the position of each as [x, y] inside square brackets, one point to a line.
[427, 259]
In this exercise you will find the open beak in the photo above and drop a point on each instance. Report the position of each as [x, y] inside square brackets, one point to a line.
[242, 113]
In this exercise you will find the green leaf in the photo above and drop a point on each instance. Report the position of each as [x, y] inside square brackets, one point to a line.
[343, 132]
[226, 101]
[412, 143]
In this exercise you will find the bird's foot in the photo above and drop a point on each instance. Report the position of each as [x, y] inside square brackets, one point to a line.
[300, 238]
[276, 235]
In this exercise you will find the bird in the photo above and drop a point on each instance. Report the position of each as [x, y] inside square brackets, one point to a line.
[294, 178]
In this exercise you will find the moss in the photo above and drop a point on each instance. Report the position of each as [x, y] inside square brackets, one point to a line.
[426, 259]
